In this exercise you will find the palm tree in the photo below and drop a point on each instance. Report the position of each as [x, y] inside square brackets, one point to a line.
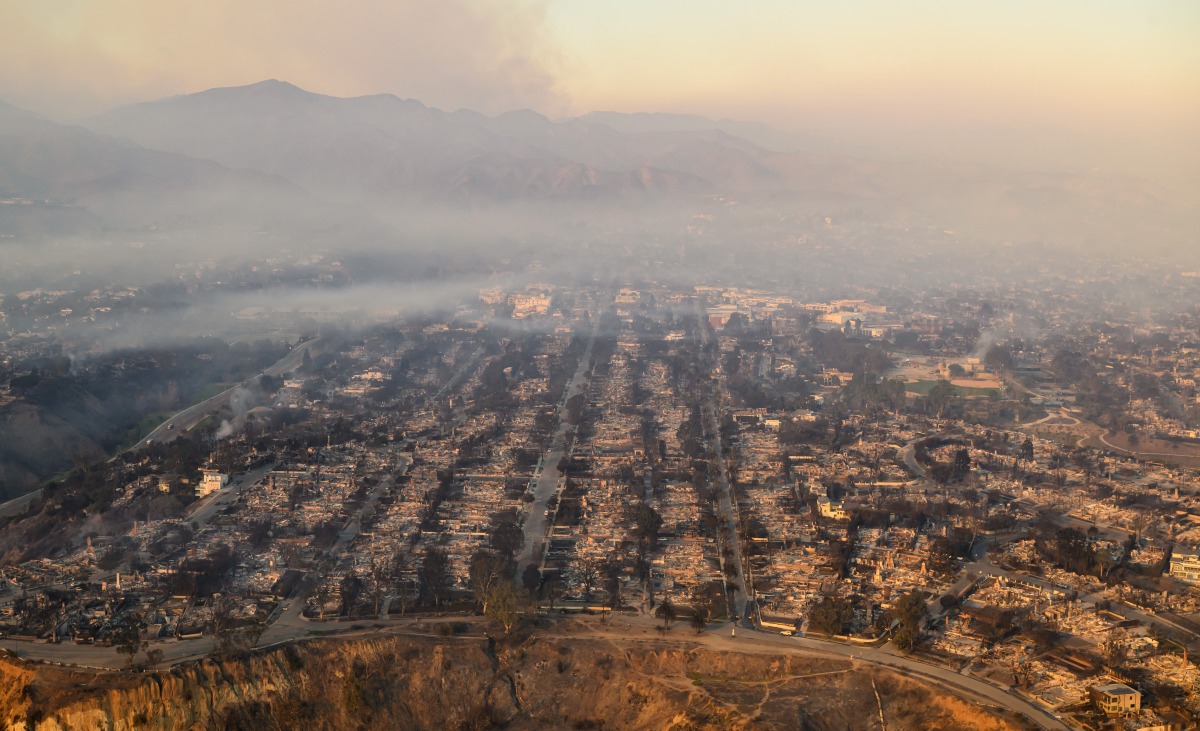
[1058, 463]
[667, 610]
[699, 620]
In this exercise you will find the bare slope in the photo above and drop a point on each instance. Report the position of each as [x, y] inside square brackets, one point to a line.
[473, 683]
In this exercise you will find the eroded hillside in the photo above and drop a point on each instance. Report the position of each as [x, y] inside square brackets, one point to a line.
[530, 682]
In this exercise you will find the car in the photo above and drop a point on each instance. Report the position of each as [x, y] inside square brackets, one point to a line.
[786, 633]
[170, 427]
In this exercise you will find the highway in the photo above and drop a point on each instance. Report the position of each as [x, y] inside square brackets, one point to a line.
[179, 423]
[18, 505]
[189, 417]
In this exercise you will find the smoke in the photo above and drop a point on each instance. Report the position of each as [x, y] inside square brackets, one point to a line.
[273, 313]
[451, 53]
[241, 401]
[987, 338]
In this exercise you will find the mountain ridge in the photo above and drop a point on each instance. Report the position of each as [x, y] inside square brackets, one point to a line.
[381, 152]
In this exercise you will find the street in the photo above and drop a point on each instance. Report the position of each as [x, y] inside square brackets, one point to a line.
[710, 413]
[545, 483]
[621, 629]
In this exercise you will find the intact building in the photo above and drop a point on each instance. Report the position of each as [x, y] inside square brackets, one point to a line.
[1115, 699]
[1185, 564]
[831, 509]
[211, 482]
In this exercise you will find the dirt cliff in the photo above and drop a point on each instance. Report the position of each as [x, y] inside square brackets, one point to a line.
[528, 682]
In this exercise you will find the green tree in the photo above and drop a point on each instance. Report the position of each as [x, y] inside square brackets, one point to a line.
[575, 406]
[999, 358]
[587, 573]
[830, 615]
[648, 523]
[611, 571]
[501, 606]
[1072, 550]
[910, 608]
[907, 638]
[699, 619]
[941, 556]
[352, 588]
[962, 463]
[434, 576]
[940, 397]
[667, 611]
[485, 572]
[400, 579]
[127, 635]
[154, 657]
[910, 612]
[1026, 454]
[506, 534]
[531, 579]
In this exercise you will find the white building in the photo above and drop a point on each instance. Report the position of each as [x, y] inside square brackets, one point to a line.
[211, 482]
[1185, 564]
[831, 508]
[1115, 699]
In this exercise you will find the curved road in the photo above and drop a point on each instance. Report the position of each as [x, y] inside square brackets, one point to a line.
[180, 422]
[909, 456]
[954, 682]
[19, 505]
[189, 417]
[619, 629]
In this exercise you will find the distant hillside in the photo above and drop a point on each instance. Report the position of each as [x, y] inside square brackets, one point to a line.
[79, 181]
[763, 135]
[273, 157]
[380, 146]
[396, 151]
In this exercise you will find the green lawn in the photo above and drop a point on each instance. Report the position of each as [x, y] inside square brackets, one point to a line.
[152, 421]
[208, 393]
[922, 388]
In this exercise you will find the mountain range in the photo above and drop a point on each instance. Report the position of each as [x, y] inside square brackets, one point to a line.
[272, 154]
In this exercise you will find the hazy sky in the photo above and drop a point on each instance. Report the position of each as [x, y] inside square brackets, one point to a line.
[1113, 82]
